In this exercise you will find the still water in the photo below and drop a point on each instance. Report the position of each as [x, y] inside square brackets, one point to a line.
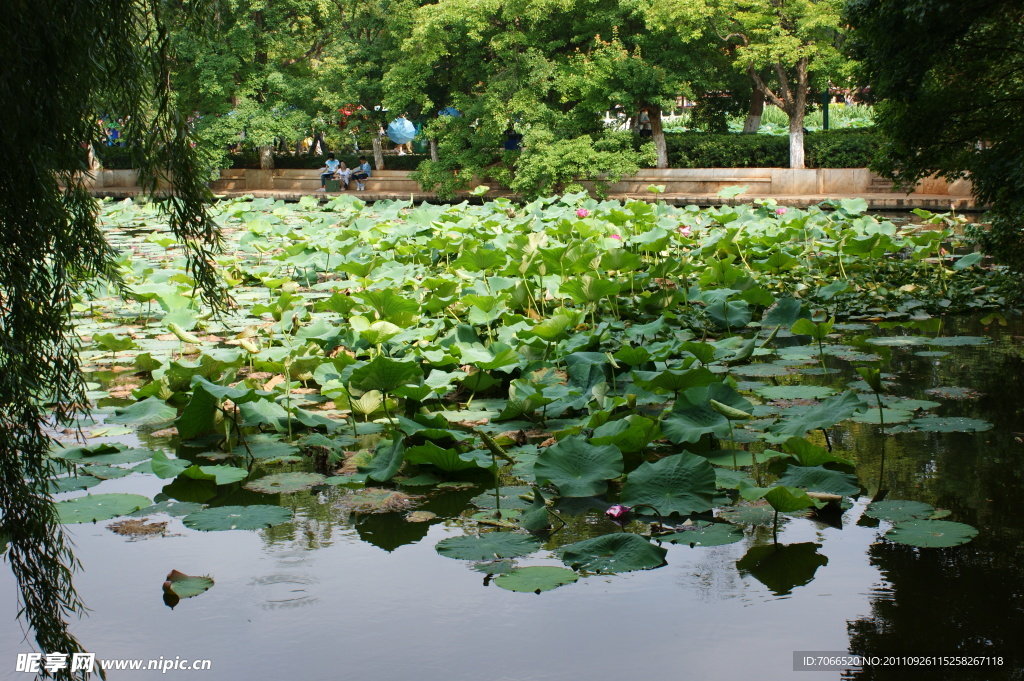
[326, 598]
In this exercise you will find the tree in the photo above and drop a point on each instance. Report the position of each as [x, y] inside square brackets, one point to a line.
[64, 63]
[798, 41]
[950, 99]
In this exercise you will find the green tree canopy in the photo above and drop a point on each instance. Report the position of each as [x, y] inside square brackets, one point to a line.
[947, 77]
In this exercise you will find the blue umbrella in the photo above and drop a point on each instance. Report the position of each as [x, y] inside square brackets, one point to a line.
[450, 111]
[401, 130]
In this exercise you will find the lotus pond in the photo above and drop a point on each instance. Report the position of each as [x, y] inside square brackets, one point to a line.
[563, 440]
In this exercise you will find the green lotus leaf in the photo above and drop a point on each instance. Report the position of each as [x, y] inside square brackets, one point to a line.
[899, 341]
[950, 424]
[385, 374]
[536, 579]
[285, 483]
[825, 415]
[898, 511]
[186, 586]
[106, 455]
[237, 518]
[820, 479]
[809, 454]
[931, 533]
[578, 468]
[888, 417]
[954, 393]
[956, 341]
[795, 392]
[447, 460]
[611, 553]
[145, 412]
[95, 507]
[682, 483]
[73, 483]
[488, 546]
[706, 534]
[693, 416]
[387, 460]
[107, 472]
[171, 507]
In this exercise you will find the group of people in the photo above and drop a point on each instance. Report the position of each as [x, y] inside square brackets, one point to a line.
[337, 170]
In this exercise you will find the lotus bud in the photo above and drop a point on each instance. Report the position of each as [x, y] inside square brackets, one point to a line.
[617, 511]
[685, 230]
[582, 213]
[781, 210]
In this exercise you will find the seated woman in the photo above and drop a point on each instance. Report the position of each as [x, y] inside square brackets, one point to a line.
[342, 174]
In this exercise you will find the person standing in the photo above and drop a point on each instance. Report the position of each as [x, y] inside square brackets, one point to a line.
[361, 173]
[327, 172]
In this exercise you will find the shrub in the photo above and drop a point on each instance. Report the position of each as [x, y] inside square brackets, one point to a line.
[827, 149]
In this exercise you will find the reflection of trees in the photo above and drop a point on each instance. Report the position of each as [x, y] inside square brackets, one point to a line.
[961, 601]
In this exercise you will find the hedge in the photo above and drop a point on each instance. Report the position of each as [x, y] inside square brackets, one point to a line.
[827, 149]
[305, 161]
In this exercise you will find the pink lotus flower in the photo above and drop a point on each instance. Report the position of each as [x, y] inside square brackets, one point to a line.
[781, 210]
[582, 212]
[685, 230]
[617, 512]
[616, 237]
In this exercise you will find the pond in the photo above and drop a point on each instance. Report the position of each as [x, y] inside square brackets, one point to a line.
[340, 590]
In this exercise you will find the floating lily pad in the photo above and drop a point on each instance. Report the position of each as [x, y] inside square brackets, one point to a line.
[507, 497]
[931, 533]
[950, 424]
[420, 516]
[795, 392]
[72, 483]
[488, 546]
[957, 341]
[220, 474]
[762, 370]
[610, 553]
[749, 514]
[285, 483]
[889, 416]
[107, 472]
[536, 579]
[820, 479]
[931, 354]
[95, 507]
[171, 507]
[706, 534]
[898, 510]
[145, 412]
[954, 393]
[237, 518]
[186, 586]
[903, 404]
[899, 341]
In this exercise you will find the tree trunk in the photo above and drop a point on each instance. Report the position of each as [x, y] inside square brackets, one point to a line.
[658, 136]
[267, 157]
[753, 122]
[378, 154]
[433, 151]
[796, 138]
[319, 146]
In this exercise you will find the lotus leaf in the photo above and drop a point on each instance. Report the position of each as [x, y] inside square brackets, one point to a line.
[898, 511]
[285, 483]
[145, 412]
[825, 415]
[237, 518]
[706, 534]
[611, 553]
[795, 392]
[171, 507]
[950, 424]
[95, 507]
[820, 479]
[488, 546]
[931, 533]
[186, 586]
[682, 483]
[578, 468]
[536, 579]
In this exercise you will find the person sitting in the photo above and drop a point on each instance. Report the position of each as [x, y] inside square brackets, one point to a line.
[342, 175]
[327, 172]
[361, 173]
